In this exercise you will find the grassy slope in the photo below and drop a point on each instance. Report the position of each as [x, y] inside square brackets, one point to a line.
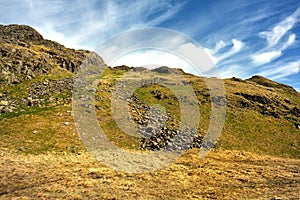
[43, 157]
[249, 130]
[245, 129]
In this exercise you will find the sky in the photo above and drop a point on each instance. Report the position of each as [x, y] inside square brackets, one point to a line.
[243, 38]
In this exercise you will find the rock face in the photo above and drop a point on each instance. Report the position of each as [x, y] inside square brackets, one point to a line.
[24, 54]
[19, 33]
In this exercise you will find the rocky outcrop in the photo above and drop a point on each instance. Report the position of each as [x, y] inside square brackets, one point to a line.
[20, 35]
[139, 69]
[45, 93]
[164, 70]
[24, 54]
[160, 131]
[269, 83]
[275, 107]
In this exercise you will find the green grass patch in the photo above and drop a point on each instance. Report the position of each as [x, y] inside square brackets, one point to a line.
[26, 110]
[250, 131]
[40, 130]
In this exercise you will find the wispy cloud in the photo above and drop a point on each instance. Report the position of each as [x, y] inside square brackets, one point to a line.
[232, 71]
[233, 48]
[85, 24]
[274, 36]
[278, 31]
[289, 42]
[269, 56]
[283, 70]
[237, 45]
[276, 45]
[261, 46]
[265, 57]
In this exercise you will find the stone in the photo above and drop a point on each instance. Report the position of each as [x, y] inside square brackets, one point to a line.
[33, 102]
[4, 103]
[158, 94]
[149, 129]
[219, 101]
[8, 110]
[244, 104]
[276, 198]
[255, 98]
[295, 111]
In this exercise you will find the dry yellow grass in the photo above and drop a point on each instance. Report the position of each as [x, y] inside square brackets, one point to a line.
[222, 175]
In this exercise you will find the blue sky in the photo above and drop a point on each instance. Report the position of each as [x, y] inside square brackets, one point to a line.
[243, 38]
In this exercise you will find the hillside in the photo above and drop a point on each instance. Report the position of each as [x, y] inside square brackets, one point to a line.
[256, 156]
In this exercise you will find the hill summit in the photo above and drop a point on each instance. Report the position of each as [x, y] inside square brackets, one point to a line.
[37, 75]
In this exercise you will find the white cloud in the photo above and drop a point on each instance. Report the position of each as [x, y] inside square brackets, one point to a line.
[237, 46]
[86, 24]
[196, 55]
[265, 57]
[153, 58]
[221, 44]
[232, 71]
[269, 56]
[280, 29]
[190, 58]
[244, 59]
[140, 40]
[169, 13]
[282, 71]
[211, 52]
[289, 42]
